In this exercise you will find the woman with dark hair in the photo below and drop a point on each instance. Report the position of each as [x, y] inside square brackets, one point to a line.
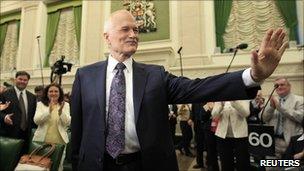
[52, 117]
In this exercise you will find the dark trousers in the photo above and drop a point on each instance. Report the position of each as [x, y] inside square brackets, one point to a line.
[172, 124]
[234, 147]
[210, 144]
[186, 136]
[111, 164]
[199, 138]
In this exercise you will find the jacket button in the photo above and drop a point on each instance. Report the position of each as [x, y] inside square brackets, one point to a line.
[99, 159]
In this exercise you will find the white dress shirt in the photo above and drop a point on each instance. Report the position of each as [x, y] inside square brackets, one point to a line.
[131, 139]
[247, 79]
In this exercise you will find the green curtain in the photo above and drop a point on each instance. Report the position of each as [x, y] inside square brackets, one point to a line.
[53, 7]
[3, 29]
[289, 11]
[222, 9]
[77, 17]
[51, 31]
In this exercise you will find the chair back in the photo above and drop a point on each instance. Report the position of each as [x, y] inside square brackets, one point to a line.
[10, 150]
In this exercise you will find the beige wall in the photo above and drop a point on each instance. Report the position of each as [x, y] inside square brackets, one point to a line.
[192, 26]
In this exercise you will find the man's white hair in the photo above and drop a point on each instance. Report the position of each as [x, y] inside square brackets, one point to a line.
[108, 23]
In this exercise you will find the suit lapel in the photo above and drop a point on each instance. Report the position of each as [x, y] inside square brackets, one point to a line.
[139, 83]
[29, 101]
[15, 98]
[100, 85]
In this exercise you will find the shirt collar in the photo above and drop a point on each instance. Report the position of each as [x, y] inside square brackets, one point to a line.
[112, 62]
[18, 91]
[285, 97]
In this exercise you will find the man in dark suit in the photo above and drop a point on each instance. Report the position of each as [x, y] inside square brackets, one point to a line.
[100, 89]
[18, 116]
[197, 119]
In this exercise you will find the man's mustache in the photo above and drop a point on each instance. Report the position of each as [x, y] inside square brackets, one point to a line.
[132, 41]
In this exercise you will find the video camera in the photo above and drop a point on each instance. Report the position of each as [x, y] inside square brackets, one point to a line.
[60, 67]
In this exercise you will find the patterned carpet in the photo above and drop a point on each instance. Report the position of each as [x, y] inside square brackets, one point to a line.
[186, 163]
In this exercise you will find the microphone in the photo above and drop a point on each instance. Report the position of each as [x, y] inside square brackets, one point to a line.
[179, 50]
[242, 46]
[40, 60]
[275, 86]
[180, 60]
[235, 50]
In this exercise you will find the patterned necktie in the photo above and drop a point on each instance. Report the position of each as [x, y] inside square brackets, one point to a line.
[115, 141]
[23, 124]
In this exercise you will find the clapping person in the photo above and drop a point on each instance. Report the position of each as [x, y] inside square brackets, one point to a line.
[232, 134]
[184, 115]
[3, 106]
[2, 89]
[285, 113]
[52, 117]
[255, 107]
[17, 119]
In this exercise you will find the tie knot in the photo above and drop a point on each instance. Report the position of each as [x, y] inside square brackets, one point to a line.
[282, 100]
[120, 66]
[21, 93]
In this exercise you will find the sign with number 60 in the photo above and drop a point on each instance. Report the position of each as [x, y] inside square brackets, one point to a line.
[261, 141]
[264, 139]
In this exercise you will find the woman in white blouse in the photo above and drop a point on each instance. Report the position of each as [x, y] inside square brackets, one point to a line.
[52, 117]
[232, 134]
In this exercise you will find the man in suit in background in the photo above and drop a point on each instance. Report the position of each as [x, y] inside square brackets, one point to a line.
[120, 107]
[197, 119]
[285, 114]
[18, 116]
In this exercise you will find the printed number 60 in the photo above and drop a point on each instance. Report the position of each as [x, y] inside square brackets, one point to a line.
[255, 139]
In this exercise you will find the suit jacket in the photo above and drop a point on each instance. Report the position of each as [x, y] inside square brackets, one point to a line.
[198, 113]
[295, 146]
[153, 90]
[293, 110]
[14, 131]
[233, 113]
[41, 117]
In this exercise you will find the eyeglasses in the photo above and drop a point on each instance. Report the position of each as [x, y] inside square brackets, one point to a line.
[281, 85]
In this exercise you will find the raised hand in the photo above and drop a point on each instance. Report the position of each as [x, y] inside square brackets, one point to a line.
[264, 62]
[274, 102]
